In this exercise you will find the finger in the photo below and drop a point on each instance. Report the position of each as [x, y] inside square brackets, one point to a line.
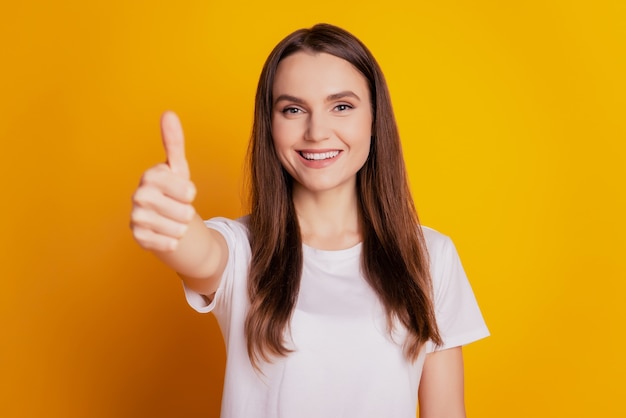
[174, 144]
[143, 219]
[152, 199]
[149, 240]
[161, 180]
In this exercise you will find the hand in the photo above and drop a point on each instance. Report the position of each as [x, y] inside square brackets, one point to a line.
[162, 209]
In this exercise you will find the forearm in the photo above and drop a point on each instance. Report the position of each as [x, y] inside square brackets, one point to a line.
[164, 221]
[199, 257]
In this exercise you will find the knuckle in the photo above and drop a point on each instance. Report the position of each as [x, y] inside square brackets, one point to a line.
[152, 241]
[146, 197]
[152, 174]
[141, 237]
[138, 215]
[140, 196]
[147, 177]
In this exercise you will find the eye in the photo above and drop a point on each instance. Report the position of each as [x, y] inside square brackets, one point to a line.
[291, 110]
[343, 107]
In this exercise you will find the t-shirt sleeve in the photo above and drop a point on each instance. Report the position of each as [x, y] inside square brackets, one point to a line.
[202, 303]
[458, 316]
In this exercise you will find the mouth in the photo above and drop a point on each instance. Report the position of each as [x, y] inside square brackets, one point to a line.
[318, 156]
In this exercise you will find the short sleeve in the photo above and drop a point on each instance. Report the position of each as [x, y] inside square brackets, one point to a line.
[230, 230]
[459, 318]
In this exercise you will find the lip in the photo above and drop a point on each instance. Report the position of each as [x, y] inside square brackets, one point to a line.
[319, 163]
[315, 150]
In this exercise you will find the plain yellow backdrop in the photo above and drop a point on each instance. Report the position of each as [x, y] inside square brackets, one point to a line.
[512, 116]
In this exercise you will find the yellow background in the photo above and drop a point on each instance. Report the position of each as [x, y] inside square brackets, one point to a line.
[513, 120]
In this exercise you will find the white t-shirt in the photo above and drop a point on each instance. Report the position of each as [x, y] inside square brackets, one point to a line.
[344, 363]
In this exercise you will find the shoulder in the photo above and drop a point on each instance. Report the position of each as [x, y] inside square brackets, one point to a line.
[233, 230]
[458, 316]
[437, 244]
[433, 236]
[443, 258]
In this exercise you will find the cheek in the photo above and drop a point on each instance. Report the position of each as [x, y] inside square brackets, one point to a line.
[280, 139]
[364, 123]
[361, 131]
[281, 132]
[365, 150]
[364, 134]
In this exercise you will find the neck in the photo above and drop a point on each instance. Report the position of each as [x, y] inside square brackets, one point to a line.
[328, 220]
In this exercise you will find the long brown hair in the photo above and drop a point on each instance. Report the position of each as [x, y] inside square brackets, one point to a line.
[394, 259]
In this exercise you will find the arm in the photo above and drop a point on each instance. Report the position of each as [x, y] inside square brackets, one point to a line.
[164, 221]
[441, 391]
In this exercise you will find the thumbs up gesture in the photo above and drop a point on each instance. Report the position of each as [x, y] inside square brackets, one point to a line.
[162, 204]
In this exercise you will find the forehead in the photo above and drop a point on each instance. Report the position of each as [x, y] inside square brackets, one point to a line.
[306, 73]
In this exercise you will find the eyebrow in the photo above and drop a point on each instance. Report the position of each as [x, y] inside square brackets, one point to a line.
[329, 98]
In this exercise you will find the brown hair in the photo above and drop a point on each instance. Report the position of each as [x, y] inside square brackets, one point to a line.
[394, 259]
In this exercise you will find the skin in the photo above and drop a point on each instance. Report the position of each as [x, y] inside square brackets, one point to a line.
[322, 110]
[323, 105]
[441, 391]
[164, 221]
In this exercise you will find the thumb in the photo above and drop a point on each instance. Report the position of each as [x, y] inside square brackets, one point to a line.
[174, 144]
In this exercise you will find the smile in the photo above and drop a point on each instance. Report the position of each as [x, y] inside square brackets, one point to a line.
[316, 156]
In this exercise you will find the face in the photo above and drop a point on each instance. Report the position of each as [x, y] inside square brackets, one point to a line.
[321, 121]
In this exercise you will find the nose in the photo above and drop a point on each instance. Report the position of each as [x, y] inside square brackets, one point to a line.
[318, 127]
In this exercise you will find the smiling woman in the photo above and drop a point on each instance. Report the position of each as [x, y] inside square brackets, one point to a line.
[320, 121]
[332, 299]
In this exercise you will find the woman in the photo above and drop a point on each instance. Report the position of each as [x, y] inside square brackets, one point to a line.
[332, 299]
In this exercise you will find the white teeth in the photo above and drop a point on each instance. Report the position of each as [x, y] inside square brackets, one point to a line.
[319, 156]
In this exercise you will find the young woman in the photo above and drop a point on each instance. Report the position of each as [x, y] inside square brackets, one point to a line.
[332, 299]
